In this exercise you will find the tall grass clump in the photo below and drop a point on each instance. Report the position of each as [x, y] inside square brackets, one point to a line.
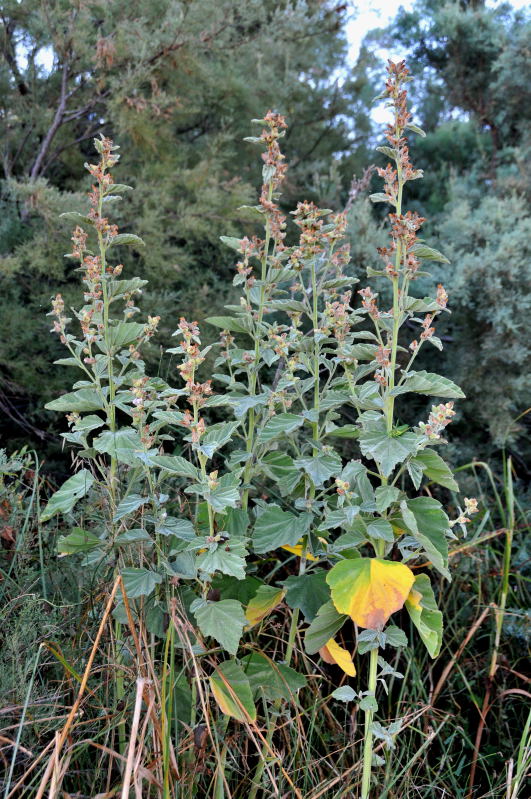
[274, 512]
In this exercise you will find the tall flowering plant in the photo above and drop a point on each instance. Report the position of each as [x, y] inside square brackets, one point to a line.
[312, 466]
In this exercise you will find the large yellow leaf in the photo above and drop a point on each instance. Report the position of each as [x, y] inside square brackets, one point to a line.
[369, 590]
[332, 653]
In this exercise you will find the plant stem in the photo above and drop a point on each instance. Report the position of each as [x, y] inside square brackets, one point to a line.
[254, 373]
[369, 715]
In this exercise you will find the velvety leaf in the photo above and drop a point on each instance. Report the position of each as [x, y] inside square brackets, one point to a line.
[388, 450]
[281, 468]
[216, 437]
[129, 504]
[428, 383]
[320, 467]
[275, 528]
[224, 621]
[344, 694]
[428, 523]
[428, 253]
[227, 323]
[227, 557]
[120, 444]
[279, 425]
[127, 238]
[232, 691]
[266, 599]
[139, 582]
[380, 528]
[436, 469]
[425, 614]
[324, 626]
[307, 592]
[82, 400]
[275, 680]
[369, 590]
[174, 464]
[182, 529]
[385, 497]
[70, 492]
[78, 541]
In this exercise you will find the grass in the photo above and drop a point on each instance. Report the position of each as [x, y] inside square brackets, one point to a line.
[467, 729]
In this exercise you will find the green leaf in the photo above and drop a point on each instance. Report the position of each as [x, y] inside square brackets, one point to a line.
[227, 557]
[85, 399]
[78, 541]
[88, 423]
[118, 288]
[275, 680]
[435, 468]
[128, 505]
[428, 253]
[225, 495]
[216, 437]
[277, 528]
[232, 588]
[385, 497]
[429, 383]
[75, 216]
[380, 528]
[232, 242]
[118, 188]
[344, 694]
[281, 468]
[224, 621]
[127, 238]
[380, 197]
[324, 626]
[279, 425]
[232, 691]
[175, 465]
[120, 444]
[416, 129]
[182, 529]
[121, 335]
[394, 636]
[307, 592]
[320, 467]
[388, 450]
[425, 615]
[139, 582]
[70, 492]
[428, 523]
[240, 405]
[345, 431]
[133, 536]
[227, 323]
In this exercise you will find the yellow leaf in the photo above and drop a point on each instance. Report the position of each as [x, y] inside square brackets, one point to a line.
[332, 653]
[369, 590]
[414, 600]
[298, 550]
[263, 602]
